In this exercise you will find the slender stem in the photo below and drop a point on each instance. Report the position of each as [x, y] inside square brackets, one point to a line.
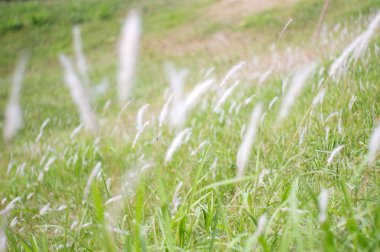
[321, 18]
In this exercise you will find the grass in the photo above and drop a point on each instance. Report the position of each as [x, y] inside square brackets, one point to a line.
[305, 14]
[216, 211]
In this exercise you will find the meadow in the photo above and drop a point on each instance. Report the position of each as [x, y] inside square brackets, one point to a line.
[242, 131]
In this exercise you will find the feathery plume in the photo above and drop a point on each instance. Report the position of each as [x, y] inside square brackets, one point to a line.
[249, 99]
[78, 94]
[302, 136]
[265, 75]
[13, 222]
[262, 175]
[46, 168]
[338, 66]
[164, 112]
[128, 54]
[113, 199]
[356, 49]
[374, 145]
[3, 240]
[76, 131]
[225, 96]
[319, 97]
[44, 209]
[248, 139]
[351, 103]
[42, 129]
[129, 181]
[177, 142]
[181, 108]
[62, 207]
[260, 228]
[334, 153]
[197, 93]
[231, 72]
[176, 77]
[261, 225]
[81, 62]
[366, 36]
[13, 114]
[176, 81]
[10, 206]
[138, 134]
[140, 115]
[204, 143]
[298, 82]
[178, 115]
[176, 200]
[92, 176]
[322, 204]
[272, 102]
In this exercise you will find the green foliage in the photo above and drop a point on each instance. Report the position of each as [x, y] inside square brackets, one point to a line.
[305, 15]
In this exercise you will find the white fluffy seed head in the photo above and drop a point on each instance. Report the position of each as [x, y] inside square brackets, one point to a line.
[164, 112]
[78, 93]
[81, 62]
[113, 199]
[128, 54]
[3, 240]
[10, 206]
[225, 96]
[374, 145]
[140, 115]
[138, 134]
[261, 225]
[177, 142]
[340, 64]
[176, 77]
[181, 107]
[355, 49]
[323, 203]
[176, 199]
[319, 98]
[265, 76]
[42, 129]
[197, 92]
[44, 209]
[13, 114]
[248, 139]
[232, 72]
[334, 153]
[92, 176]
[13, 121]
[62, 207]
[272, 102]
[366, 37]
[298, 82]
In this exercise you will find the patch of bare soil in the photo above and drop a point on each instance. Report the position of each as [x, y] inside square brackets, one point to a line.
[222, 43]
[190, 38]
[234, 10]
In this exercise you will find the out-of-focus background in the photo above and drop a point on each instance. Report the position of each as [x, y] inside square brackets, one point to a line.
[196, 34]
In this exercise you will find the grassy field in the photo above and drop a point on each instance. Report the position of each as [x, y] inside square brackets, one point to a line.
[307, 186]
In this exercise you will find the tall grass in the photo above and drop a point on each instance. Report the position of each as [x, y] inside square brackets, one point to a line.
[128, 54]
[203, 170]
[13, 113]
